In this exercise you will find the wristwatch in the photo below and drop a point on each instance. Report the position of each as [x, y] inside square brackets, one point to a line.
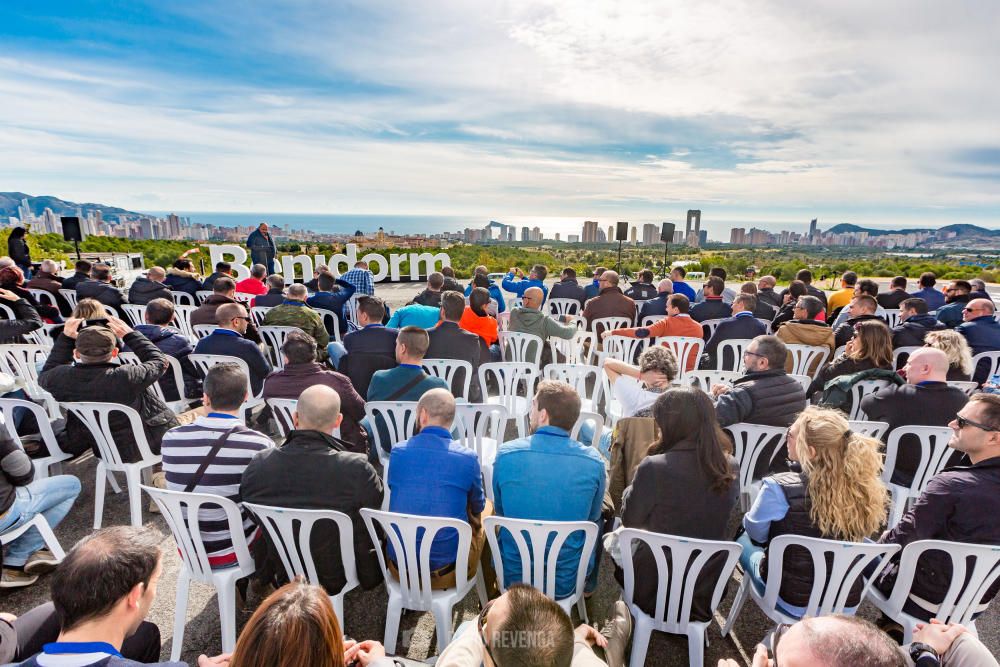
[924, 655]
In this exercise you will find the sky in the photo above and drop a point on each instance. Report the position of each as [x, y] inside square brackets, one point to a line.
[881, 113]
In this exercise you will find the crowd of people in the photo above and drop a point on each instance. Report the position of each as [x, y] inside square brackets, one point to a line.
[667, 465]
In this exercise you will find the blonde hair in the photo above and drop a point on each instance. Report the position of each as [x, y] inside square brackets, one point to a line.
[873, 341]
[90, 309]
[847, 498]
[954, 345]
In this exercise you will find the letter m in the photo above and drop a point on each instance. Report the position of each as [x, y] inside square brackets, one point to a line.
[429, 263]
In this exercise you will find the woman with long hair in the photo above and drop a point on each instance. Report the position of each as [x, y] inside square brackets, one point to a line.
[835, 494]
[871, 347]
[17, 248]
[687, 485]
[957, 348]
[296, 626]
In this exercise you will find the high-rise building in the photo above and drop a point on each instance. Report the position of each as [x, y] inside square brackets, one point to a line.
[600, 236]
[812, 230]
[678, 237]
[590, 231]
[536, 234]
[702, 237]
[738, 236]
[611, 233]
[572, 238]
[649, 234]
[632, 236]
[557, 236]
[525, 234]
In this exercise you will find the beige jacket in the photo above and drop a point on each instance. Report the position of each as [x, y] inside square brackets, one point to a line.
[631, 440]
[806, 332]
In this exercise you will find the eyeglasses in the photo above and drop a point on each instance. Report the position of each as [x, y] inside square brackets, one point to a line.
[963, 422]
[481, 626]
[753, 354]
[780, 631]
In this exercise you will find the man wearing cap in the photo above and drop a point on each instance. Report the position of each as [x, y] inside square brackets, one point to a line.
[96, 376]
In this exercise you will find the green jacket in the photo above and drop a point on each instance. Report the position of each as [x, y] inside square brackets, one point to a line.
[289, 314]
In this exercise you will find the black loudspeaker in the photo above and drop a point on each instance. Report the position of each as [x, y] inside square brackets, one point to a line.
[667, 233]
[71, 228]
[621, 233]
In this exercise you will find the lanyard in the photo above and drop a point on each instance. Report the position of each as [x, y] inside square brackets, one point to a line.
[221, 415]
[64, 648]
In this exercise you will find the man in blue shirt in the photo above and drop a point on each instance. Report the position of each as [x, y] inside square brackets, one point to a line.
[742, 325]
[934, 298]
[327, 299]
[982, 333]
[361, 278]
[550, 477]
[680, 287]
[430, 460]
[415, 315]
[228, 339]
[534, 279]
[594, 288]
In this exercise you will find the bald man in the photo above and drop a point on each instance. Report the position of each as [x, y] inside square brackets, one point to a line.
[981, 331]
[658, 304]
[146, 288]
[432, 460]
[530, 319]
[315, 470]
[610, 302]
[925, 400]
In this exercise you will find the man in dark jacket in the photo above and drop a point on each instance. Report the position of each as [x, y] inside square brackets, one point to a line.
[181, 277]
[149, 287]
[327, 299]
[933, 297]
[275, 292]
[742, 325]
[766, 293]
[982, 333]
[230, 339]
[643, 290]
[611, 302]
[657, 305]
[896, 295]
[806, 277]
[371, 348]
[960, 504]
[431, 296]
[82, 272]
[302, 371]
[222, 270]
[914, 323]
[96, 376]
[314, 470]
[956, 296]
[169, 341]
[766, 394]
[712, 308]
[860, 309]
[450, 284]
[979, 289]
[99, 287]
[569, 288]
[47, 278]
[449, 341]
[25, 320]
[223, 292]
[262, 247]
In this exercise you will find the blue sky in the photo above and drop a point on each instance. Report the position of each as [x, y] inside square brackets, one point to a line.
[873, 113]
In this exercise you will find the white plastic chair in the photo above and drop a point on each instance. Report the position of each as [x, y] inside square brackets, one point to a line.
[412, 590]
[274, 337]
[683, 348]
[22, 360]
[96, 417]
[399, 419]
[968, 387]
[749, 443]
[173, 373]
[351, 309]
[135, 312]
[709, 327]
[859, 391]
[892, 317]
[576, 350]
[675, 588]
[624, 348]
[283, 409]
[547, 538]
[869, 428]
[70, 296]
[330, 321]
[732, 349]
[601, 324]
[650, 320]
[203, 362]
[596, 419]
[481, 428]
[257, 313]
[705, 379]
[767, 325]
[837, 566]
[559, 307]
[182, 299]
[290, 531]
[182, 319]
[180, 511]
[39, 523]
[803, 380]
[44, 466]
[897, 353]
[43, 297]
[42, 337]
[446, 370]
[244, 297]
[839, 351]
[508, 376]
[503, 320]
[8, 314]
[994, 363]
[579, 376]
[806, 357]
[203, 330]
[201, 295]
[521, 347]
[974, 568]
[934, 455]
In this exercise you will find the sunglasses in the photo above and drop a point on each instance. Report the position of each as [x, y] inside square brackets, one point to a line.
[481, 626]
[963, 422]
[780, 631]
[970, 310]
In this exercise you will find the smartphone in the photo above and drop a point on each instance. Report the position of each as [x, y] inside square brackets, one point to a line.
[101, 322]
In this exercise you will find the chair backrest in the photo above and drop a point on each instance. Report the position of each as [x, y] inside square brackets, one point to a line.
[892, 317]
[182, 298]
[601, 324]
[900, 354]
[578, 376]
[173, 372]
[839, 351]
[575, 350]
[20, 360]
[11, 407]
[351, 309]
[709, 327]
[135, 312]
[837, 566]
[274, 337]
[399, 419]
[202, 330]
[861, 389]
[705, 379]
[563, 307]
[258, 313]
[989, 359]
[43, 336]
[182, 318]
[729, 355]
[624, 348]
[503, 320]
[540, 537]
[871, 429]
[684, 348]
[43, 297]
[766, 323]
[202, 362]
[593, 417]
[97, 418]
[244, 297]
[8, 314]
[749, 443]
[331, 322]
[283, 409]
[447, 369]
[968, 387]
[521, 347]
[803, 380]
[201, 295]
[180, 511]
[509, 376]
[807, 359]
[290, 531]
[650, 320]
[974, 568]
[413, 562]
[679, 564]
[70, 296]
[934, 453]
[476, 422]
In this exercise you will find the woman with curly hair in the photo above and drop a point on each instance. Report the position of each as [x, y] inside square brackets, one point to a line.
[871, 347]
[959, 353]
[836, 494]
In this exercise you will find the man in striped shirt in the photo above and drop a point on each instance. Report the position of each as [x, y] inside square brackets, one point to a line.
[188, 449]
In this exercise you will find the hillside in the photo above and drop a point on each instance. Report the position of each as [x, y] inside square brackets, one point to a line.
[961, 229]
[9, 201]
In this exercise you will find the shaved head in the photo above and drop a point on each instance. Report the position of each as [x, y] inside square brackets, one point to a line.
[985, 305]
[297, 292]
[156, 273]
[227, 312]
[611, 277]
[436, 408]
[927, 364]
[533, 297]
[665, 286]
[318, 409]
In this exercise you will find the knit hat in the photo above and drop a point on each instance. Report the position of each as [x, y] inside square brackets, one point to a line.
[96, 342]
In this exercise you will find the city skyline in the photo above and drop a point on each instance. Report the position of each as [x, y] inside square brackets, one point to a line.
[509, 110]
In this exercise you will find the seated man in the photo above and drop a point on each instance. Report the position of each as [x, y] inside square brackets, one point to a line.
[611, 302]
[859, 309]
[680, 286]
[805, 329]
[805, 277]
[450, 284]
[327, 299]
[182, 277]
[925, 400]
[712, 307]
[931, 296]
[536, 278]
[741, 326]
[99, 288]
[295, 313]
[81, 272]
[228, 339]
[642, 289]
[416, 315]
[981, 331]
[763, 310]
[371, 348]
[313, 284]
[255, 283]
[726, 293]
[361, 278]
[275, 295]
[222, 270]
[866, 287]
[658, 304]
[959, 504]
[302, 371]
[21, 498]
[169, 341]
[431, 296]
[221, 441]
[314, 470]
[47, 278]
[766, 293]
[677, 323]
[431, 460]
[567, 288]
[81, 368]
[956, 296]
[449, 341]
[223, 292]
[896, 295]
[914, 324]
[529, 318]
[550, 477]
[594, 288]
[146, 288]
[979, 289]
[843, 296]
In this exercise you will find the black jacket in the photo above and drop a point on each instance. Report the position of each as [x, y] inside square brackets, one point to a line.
[238, 346]
[18, 251]
[209, 282]
[711, 309]
[569, 289]
[842, 365]
[26, 320]
[448, 341]
[656, 306]
[769, 397]
[274, 297]
[911, 333]
[670, 494]
[428, 298]
[770, 297]
[890, 300]
[742, 327]
[313, 470]
[105, 293]
[74, 280]
[111, 382]
[810, 290]
[144, 290]
[845, 332]
[641, 291]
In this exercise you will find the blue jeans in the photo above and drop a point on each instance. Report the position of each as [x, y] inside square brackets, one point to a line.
[586, 436]
[52, 497]
[336, 351]
[750, 559]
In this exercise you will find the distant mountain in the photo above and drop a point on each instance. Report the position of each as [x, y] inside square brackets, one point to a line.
[960, 229]
[9, 201]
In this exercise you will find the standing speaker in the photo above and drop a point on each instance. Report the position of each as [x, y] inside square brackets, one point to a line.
[71, 228]
[667, 233]
[621, 233]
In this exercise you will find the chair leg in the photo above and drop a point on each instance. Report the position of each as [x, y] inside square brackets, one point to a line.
[114, 483]
[227, 613]
[99, 484]
[738, 602]
[180, 613]
[696, 644]
[641, 634]
[392, 613]
[442, 622]
[45, 530]
[481, 589]
[134, 496]
[338, 608]
[581, 607]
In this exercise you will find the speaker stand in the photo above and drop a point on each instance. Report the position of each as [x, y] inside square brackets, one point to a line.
[619, 257]
[666, 252]
[77, 245]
